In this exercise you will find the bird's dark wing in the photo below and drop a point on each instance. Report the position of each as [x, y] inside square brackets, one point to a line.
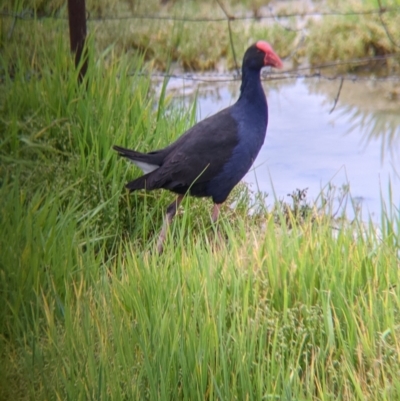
[198, 155]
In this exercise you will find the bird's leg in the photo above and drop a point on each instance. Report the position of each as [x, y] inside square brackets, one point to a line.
[214, 216]
[215, 212]
[171, 211]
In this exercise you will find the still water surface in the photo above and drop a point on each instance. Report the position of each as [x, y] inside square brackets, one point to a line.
[308, 146]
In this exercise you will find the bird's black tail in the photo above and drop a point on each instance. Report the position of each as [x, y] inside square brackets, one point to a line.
[141, 159]
[129, 154]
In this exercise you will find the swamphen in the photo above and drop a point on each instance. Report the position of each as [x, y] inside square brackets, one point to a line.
[210, 158]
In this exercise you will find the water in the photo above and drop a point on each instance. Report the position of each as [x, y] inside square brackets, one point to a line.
[308, 146]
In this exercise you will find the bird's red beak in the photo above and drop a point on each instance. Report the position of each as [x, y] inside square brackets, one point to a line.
[273, 60]
[270, 58]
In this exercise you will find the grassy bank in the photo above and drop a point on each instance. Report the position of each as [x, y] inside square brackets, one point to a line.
[278, 309]
[188, 36]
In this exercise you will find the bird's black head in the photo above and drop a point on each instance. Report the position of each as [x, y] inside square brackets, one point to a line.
[261, 55]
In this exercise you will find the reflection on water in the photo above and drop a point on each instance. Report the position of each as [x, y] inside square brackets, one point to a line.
[309, 147]
[372, 109]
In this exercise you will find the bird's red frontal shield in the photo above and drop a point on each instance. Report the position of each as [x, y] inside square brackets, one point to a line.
[271, 58]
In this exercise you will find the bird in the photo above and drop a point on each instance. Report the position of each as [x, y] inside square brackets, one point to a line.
[209, 159]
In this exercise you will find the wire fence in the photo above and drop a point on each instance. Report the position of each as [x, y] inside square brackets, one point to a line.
[29, 15]
[302, 72]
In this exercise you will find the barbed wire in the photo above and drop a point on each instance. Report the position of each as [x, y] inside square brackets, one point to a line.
[29, 15]
[230, 77]
[295, 73]
[306, 72]
[276, 76]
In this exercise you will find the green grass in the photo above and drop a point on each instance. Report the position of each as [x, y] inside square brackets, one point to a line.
[330, 41]
[274, 308]
[205, 45]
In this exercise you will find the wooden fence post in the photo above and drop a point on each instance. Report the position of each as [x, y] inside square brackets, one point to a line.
[77, 33]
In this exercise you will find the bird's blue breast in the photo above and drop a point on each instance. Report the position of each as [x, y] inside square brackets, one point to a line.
[252, 120]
